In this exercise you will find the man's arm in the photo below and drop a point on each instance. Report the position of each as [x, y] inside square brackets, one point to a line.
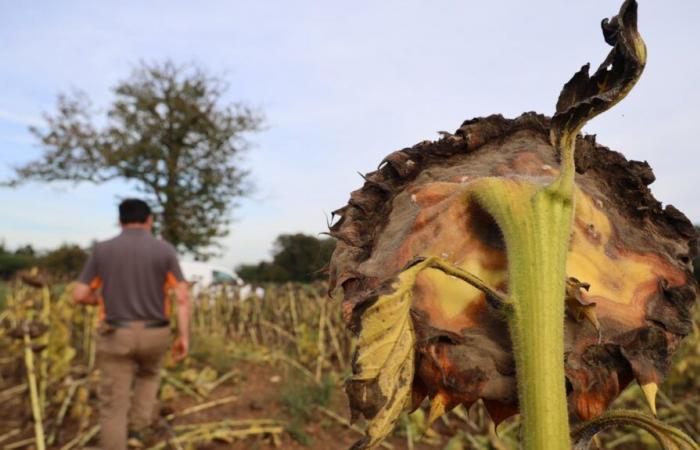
[184, 306]
[179, 286]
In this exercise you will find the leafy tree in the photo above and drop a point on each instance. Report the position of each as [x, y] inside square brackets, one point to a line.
[11, 263]
[168, 133]
[301, 255]
[296, 257]
[263, 272]
[26, 250]
[65, 262]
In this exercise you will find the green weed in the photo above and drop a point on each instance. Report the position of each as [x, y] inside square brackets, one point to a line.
[300, 399]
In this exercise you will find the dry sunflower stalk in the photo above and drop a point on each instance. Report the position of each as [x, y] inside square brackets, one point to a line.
[430, 249]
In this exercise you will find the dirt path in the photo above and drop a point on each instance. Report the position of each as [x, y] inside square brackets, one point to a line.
[259, 390]
[259, 394]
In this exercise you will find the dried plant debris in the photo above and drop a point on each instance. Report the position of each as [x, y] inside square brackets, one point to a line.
[668, 437]
[629, 260]
[34, 278]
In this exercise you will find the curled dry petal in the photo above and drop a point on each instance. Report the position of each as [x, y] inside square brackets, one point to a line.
[576, 304]
[584, 96]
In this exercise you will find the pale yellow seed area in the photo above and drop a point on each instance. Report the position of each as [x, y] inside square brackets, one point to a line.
[615, 279]
[454, 296]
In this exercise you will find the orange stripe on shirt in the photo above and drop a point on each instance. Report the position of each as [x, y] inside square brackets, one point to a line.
[171, 283]
[95, 284]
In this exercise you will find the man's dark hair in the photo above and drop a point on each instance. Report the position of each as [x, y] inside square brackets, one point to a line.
[133, 210]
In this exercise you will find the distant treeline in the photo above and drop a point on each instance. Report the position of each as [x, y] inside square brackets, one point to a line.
[295, 257]
[63, 263]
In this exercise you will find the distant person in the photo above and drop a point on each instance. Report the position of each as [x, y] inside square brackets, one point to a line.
[131, 277]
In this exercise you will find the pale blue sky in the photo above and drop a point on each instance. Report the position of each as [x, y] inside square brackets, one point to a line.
[342, 85]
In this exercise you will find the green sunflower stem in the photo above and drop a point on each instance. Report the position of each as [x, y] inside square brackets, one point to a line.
[536, 224]
[537, 323]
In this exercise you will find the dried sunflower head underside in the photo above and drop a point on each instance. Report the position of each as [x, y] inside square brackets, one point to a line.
[630, 285]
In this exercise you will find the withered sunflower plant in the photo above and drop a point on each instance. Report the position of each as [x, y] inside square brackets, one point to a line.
[497, 263]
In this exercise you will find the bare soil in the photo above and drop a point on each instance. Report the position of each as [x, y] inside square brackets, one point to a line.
[259, 391]
[259, 388]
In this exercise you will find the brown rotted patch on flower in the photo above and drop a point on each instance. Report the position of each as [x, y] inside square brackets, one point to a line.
[671, 308]
[462, 367]
[596, 376]
[648, 351]
[634, 254]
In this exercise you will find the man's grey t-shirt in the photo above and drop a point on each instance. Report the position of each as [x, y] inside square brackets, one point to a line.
[134, 270]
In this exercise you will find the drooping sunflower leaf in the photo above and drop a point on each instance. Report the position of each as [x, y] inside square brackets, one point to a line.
[383, 366]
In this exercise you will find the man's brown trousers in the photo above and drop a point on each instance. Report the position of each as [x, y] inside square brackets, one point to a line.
[129, 361]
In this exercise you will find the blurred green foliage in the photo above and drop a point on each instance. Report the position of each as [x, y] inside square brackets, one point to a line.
[295, 257]
[4, 291]
[300, 399]
[214, 351]
[11, 263]
[63, 263]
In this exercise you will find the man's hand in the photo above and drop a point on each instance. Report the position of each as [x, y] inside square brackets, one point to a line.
[181, 348]
[84, 294]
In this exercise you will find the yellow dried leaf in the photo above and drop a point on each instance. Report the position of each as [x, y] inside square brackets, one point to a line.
[384, 360]
[207, 375]
[167, 393]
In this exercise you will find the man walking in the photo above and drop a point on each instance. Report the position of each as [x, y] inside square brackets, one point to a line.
[131, 278]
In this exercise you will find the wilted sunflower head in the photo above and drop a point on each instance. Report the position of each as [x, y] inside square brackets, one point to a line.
[424, 332]
[629, 266]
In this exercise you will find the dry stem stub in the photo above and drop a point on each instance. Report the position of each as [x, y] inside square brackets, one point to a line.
[633, 255]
